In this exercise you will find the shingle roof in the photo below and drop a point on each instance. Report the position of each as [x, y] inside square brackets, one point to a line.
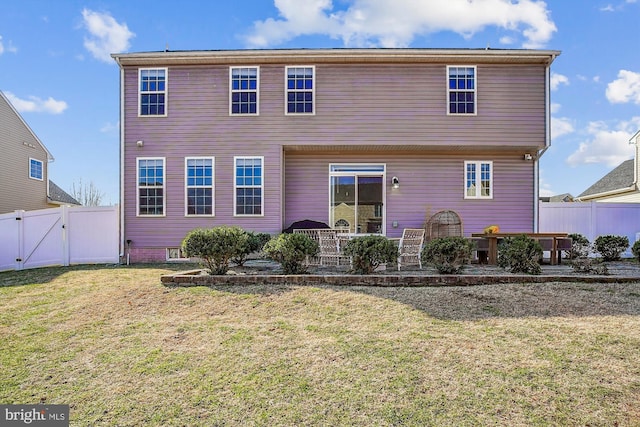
[619, 178]
[58, 195]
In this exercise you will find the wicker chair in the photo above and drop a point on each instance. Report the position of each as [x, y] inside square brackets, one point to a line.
[410, 247]
[444, 224]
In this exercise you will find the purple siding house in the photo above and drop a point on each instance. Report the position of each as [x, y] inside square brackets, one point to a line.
[375, 140]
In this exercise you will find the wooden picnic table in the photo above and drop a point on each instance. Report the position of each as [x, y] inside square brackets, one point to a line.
[493, 239]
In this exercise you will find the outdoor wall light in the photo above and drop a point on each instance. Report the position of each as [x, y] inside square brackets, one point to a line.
[528, 156]
[395, 182]
[140, 143]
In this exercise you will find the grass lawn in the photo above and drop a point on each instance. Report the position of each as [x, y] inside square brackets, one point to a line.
[123, 350]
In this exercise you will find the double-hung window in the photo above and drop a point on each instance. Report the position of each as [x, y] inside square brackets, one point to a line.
[35, 169]
[199, 185]
[300, 90]
[151, 190]
[153, 91]
[461, 89]
[244, 90]
[248, 185]
[478, 180]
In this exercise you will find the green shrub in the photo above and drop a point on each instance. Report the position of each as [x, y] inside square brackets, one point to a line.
[291, 250]
[611, 247]
[255, 242]
[449, 255]
[369, 252]
[580, 246]
[215, 246]
[521, 254]
[636, 250]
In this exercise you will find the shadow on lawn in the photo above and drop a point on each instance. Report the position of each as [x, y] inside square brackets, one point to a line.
[464, 303]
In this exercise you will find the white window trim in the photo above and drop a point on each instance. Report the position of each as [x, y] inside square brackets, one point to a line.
[166, 92]
[31, 159]
[164, 187]
[235, 187]
[231, 91]
[478, 164]
[475, 91]
[212, 186]
[313, 90]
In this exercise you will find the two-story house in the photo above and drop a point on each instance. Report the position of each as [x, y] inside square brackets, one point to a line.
[370, 139]
[24, 183]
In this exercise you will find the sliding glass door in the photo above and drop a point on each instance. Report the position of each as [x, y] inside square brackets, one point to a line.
[357, 197]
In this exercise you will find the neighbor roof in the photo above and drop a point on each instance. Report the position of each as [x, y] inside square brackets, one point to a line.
[58, 196]
[618, 179]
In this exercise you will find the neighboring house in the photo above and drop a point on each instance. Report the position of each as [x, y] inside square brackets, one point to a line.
[620, 185]
[24, 182]
[371, 139]
[558, 198]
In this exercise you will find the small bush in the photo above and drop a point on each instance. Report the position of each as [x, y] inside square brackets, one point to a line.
[521, 254]
[611, 247]
[255, 242]
[369, 252]
[449, 255]
[580, 246]
[215, 246]
[636, 250]
[291, 250]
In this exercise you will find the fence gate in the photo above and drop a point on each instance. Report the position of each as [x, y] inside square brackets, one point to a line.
[58, 236]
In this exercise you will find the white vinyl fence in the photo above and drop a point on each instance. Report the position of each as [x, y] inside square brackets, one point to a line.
[592, 219]
[59, 236]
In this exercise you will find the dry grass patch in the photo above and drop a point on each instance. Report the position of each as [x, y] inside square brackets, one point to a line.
[123, 350]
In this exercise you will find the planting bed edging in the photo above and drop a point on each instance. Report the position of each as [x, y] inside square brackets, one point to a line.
[195, 278]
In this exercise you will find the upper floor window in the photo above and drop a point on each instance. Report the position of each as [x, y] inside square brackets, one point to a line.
[248, 182]
[300, 90]
[244, 90]
[35, 169]
[461, 90]
[153, 91]
[478, 180]
[199, 185]
[151, 199]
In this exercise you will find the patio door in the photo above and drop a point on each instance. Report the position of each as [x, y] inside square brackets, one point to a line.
[357, 197]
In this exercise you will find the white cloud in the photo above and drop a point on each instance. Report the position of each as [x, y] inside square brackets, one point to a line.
[110, 127]
[557, 80]
[7, 47]
[560, 126]
[607, 8]
[394, 23]
[106, 35]
[625, 89]
[605, 145]
[36, 105]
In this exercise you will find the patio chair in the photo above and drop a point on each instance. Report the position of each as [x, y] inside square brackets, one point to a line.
[330, 250]
[410, 247]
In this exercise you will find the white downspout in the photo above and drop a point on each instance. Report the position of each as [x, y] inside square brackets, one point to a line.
[121, 152]
[547, 144]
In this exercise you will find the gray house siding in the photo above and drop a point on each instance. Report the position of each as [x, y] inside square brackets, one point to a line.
[18, 145]
[365, 111]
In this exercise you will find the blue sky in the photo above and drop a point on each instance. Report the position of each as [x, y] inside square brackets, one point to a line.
[56, 69]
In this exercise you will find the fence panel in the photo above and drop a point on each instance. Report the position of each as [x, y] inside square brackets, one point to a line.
[41, 238]
[93, 235]
[9, 241]
[592, 219]
[59, 236]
